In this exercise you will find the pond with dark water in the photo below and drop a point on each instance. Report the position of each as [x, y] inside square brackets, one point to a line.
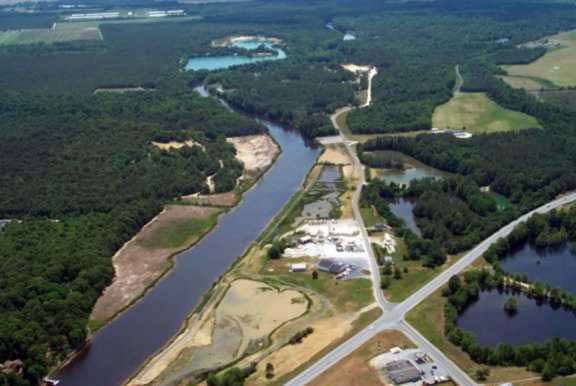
[411, 169]
[555, 266]
[534, 322]
[404, 210]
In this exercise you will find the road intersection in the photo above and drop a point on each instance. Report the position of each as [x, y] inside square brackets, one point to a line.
[393, 317]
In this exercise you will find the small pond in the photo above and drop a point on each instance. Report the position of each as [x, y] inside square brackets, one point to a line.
[211, 63]
[534, 323]
[328, 186]
[411, 169]
[403, 209]
[555, 266]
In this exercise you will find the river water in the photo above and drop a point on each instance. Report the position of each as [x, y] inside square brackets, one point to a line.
[121, 348]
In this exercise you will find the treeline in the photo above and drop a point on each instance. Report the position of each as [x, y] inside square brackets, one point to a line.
[296, 94]
[455, 213]
[76, 155]
[417, 70]
[542, 230]
[552, 358]
[377, 194]
[530, 167]
[79, 176]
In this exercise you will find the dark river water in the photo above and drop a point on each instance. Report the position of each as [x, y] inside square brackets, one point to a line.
[555, 266]
[534, 323]
[118, 350]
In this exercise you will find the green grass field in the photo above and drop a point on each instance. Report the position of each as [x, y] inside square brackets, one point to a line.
[179, 232]
[476, 113]
[73, 31]
[557, 66]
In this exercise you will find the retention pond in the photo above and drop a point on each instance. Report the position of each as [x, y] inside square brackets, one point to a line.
[121, 348]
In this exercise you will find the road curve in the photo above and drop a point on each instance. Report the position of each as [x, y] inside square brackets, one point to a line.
[394, 317]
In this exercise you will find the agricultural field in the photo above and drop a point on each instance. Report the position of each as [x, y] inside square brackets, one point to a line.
[556, 67]
[72, 31]
[476, 113]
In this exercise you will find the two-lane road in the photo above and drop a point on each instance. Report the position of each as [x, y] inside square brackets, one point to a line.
[393, 318]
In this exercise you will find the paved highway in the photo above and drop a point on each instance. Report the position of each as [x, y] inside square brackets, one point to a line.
[393, 317]
[394, 314]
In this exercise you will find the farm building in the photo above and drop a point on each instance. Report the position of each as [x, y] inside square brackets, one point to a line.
[331, 266]
[298, 267]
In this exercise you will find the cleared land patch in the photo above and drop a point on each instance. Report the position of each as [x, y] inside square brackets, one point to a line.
[256, 152]
[354, 370]
[476, 113]
[236, 325]
[556, 66]
[142, 260]
[72, 31]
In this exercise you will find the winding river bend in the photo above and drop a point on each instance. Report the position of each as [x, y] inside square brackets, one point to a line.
[119, 349]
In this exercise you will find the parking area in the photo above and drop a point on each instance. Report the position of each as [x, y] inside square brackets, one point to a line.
[408, 367]
[333, 242]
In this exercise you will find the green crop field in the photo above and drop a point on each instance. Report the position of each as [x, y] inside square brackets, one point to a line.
[476, 113]
[557, 66]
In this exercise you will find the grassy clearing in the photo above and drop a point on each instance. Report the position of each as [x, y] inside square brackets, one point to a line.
[476, 113]
[371, 217]
[354, 370]
[428, 318]
[557, 66]
[345, 295]
[527, 83]
[73, 31]
[179, 232]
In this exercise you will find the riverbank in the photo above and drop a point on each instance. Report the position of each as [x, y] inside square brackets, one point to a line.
[144, 259]
[335, 309]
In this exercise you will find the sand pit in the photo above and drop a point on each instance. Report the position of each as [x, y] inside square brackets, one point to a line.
[249, 311]
[335, 155]
[139, 263]
[173, 145]
[256, 152]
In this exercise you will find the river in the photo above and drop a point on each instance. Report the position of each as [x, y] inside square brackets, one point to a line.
[120, 349]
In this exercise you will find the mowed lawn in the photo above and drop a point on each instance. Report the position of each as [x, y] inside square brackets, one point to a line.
[557, 66]
[476, 113]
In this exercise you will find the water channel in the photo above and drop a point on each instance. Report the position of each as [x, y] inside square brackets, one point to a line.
[212, 63]
[120, 349]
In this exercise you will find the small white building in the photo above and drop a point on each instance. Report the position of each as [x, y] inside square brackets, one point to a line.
[298, 267]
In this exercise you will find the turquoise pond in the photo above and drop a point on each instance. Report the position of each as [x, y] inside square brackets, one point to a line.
[212, 63]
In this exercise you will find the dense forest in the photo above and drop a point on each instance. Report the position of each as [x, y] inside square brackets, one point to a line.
[80, 176]
[452, 214]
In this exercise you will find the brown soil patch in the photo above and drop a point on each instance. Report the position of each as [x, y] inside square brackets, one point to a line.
[335, 155]
[290, 357]
[256, 152]
[137, 266]
[254, 307]
[354, 370]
